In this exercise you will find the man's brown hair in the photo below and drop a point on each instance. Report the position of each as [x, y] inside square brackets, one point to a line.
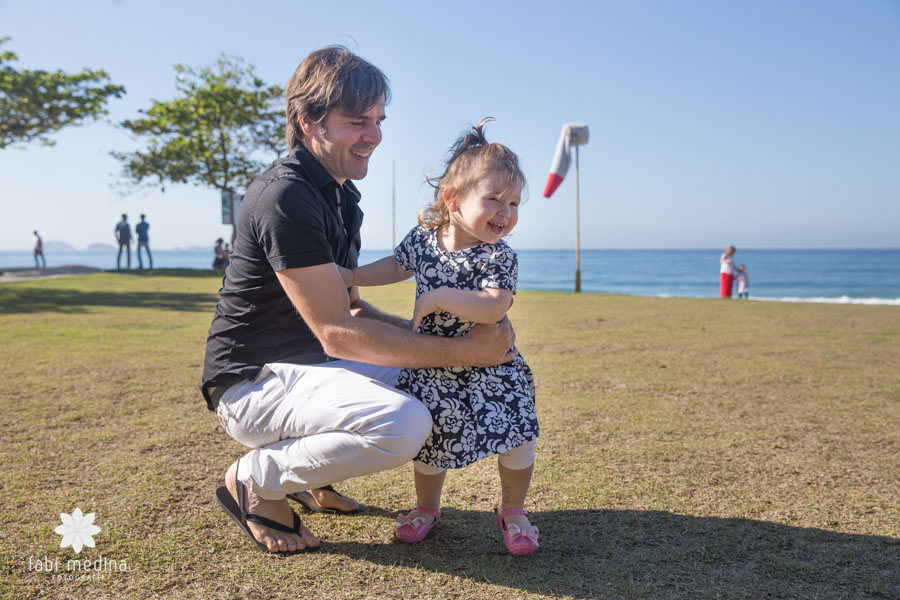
[328, 78]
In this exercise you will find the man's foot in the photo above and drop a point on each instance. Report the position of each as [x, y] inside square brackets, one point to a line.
[332, 500]
[276, 510]
[325, 500]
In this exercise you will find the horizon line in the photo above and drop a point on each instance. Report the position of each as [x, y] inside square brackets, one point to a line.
[644, 249]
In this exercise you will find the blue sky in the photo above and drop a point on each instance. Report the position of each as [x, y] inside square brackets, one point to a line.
[764, 124]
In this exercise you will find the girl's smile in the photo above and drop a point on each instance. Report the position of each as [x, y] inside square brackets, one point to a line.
[486, 213]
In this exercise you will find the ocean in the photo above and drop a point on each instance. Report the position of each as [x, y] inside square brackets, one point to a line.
[836, 276]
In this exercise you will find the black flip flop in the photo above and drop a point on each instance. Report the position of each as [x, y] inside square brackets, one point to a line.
[309, 502]
[240, 516]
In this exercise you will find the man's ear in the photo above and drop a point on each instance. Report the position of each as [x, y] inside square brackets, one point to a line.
[307, 126]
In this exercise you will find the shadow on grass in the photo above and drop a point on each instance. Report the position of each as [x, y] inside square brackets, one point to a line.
[16, 300]
[190, 273]
[599, 553]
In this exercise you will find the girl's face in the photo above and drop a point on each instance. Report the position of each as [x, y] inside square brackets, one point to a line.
[486, 213]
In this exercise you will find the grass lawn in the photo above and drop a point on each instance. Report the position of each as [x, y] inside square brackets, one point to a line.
[690, 448]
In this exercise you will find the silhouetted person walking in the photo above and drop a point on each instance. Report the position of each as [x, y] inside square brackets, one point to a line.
[219, 255]
[123, 236]
[39, 252]
[143, 241]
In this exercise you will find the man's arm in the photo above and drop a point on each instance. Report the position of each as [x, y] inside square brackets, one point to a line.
[319, 295]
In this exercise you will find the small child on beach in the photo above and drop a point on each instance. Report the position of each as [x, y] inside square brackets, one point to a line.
[466, 274]
[743, 283]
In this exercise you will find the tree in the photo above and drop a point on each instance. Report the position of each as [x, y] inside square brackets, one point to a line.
[213, 131]
[34, 104]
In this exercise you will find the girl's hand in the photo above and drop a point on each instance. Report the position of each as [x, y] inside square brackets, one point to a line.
[426, 304]
[347, 276]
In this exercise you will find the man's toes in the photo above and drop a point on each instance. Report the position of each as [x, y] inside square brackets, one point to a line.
[283, 544]
[270, 542]
[307, 538]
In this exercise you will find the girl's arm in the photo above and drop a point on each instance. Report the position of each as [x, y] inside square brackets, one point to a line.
[481, 306]
[381, 272]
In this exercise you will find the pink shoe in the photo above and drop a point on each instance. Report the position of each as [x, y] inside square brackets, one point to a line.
[518, 542]
[417, 530]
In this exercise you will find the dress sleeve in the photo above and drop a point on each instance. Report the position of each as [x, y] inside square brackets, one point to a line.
[405, 252]
[501, 270]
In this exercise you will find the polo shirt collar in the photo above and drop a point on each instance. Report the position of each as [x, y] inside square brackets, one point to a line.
[318, 176]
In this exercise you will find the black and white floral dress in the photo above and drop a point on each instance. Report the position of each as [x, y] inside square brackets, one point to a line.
[476, 412]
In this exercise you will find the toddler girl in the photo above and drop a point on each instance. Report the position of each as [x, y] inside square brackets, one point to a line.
[743, 283]
[466, 274]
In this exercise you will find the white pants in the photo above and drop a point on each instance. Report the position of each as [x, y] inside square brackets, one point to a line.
[312, 425]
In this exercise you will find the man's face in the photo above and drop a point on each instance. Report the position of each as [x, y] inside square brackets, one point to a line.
[343, 142]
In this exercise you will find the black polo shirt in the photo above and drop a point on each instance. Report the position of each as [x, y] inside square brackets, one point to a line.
[293, 215]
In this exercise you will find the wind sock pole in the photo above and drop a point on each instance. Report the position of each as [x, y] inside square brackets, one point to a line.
[573, 134]
[577, 230]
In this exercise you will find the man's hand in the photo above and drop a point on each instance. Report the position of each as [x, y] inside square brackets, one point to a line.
[426, 304]
[492, 344]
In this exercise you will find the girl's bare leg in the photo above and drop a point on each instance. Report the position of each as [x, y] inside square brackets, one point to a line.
[514, 488]
[428, 494]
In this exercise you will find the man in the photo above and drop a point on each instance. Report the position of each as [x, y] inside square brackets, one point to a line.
[39, 252]
[123, 236]
[143, 241]
[313, 396]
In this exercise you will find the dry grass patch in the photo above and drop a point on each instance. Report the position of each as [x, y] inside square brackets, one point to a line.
[689, 449]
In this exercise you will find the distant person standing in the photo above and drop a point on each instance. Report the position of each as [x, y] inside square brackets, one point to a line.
[743, 283]
[226, 255]
[39, 252]
[726, 272]
[143, 241]
[123, 236]
[219, 255]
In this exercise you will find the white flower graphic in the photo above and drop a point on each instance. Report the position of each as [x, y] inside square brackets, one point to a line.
[77, 530]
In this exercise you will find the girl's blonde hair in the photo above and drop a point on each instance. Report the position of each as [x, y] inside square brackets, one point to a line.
[471, 157]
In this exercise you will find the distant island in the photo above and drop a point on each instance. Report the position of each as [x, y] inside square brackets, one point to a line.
[99, 246]
[54, 246]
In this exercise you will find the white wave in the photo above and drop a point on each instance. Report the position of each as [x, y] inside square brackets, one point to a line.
[838, 300]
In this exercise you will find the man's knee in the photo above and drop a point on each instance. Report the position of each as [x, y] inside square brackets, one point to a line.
[410, 427]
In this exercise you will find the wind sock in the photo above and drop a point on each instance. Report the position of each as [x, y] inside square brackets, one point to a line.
[573, 134]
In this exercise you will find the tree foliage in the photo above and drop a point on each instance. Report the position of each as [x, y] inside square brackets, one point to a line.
[34, 104]
[212, 133]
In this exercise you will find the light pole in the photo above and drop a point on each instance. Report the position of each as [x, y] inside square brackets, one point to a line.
[393, 205]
